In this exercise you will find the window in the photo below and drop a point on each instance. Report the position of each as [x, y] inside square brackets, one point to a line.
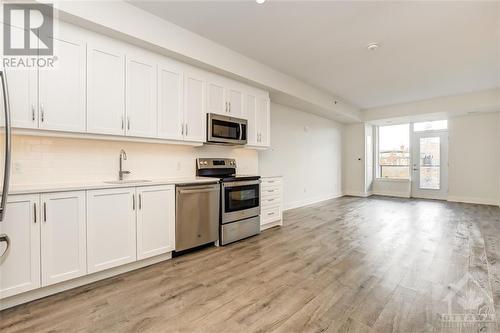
[394, 152]
[430, 126]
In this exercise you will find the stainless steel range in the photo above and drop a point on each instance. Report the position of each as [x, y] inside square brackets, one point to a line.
[240, 199]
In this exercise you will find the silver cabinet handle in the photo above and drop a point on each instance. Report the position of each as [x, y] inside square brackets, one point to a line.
[42, 113]
[32, 112]
[133, 201]
[229, 107]
[140, 201]
[123, 123]
[44, 212]
[128, 123]
[182, 128]
[34, 212]
[186, 129]
[226, 107]
[8, 145]
[6, 239]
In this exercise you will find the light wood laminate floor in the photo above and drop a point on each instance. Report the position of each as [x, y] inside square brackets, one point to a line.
[344, 265]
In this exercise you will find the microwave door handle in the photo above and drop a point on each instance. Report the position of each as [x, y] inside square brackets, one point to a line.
[240, 127]
[8, 145]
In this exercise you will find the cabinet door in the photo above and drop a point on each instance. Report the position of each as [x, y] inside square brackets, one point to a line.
[235, 102]
[170, 95]
[141, 96]
[194, 110]
[20, 265]
[62, 88]
[63, 238]
[216, 100]
[23, 93]
[155, 220]
[110, 228]
[105, 89]
[251, 115]
[263, 122]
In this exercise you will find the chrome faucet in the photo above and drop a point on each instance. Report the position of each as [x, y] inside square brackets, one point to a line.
[123, 157]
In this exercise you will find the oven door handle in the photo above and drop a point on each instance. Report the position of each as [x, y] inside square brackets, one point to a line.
[241, 183]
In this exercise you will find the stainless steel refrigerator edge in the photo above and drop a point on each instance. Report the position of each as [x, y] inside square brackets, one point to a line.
[8, 154]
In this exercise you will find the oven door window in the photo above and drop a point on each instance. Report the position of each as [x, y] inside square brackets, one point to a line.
[225, 130]
[241, 198]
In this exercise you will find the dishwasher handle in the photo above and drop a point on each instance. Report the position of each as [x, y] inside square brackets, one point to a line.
[204, 189]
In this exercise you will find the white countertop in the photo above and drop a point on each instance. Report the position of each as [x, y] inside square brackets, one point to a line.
[80, 186]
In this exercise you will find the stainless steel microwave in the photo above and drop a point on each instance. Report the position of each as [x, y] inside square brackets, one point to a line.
[226, 130]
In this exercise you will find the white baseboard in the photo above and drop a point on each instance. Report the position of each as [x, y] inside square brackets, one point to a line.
[81, 281]
[358, 194]
[392, 194]
[301, 203]
[474, 200]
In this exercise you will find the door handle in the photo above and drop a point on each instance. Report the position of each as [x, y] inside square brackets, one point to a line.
[44, 212]
[133, 201]
[42, 113]
[6, 239]
[32, 112]
[140, 201]
[229, 107]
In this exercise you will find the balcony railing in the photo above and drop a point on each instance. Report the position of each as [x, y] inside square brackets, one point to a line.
[394, 171]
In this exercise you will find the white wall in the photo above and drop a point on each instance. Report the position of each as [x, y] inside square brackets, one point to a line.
[369, 158]
[353, 160]
[306, 151]
[474, 161]
[41, 160]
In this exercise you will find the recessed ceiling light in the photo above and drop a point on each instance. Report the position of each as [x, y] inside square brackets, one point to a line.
[373, 46]
[260, 2]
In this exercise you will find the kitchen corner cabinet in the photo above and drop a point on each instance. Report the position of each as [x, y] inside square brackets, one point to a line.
[110, 228]
[20, 266]
[63, 236]
[155, 220]
[259, 122]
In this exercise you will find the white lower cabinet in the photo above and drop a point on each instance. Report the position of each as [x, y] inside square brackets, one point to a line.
[63, 237]
[155, 220]
[110, 228]
[271, 202]
[20, 265]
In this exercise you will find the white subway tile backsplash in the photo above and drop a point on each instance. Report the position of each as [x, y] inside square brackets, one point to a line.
[41, 160]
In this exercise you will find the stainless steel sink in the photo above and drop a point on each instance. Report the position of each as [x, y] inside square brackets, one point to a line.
[128, 181]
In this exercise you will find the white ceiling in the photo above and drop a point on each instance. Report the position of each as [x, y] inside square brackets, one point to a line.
[428, 49]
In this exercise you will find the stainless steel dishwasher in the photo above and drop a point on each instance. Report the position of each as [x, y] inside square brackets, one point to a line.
[196, 215]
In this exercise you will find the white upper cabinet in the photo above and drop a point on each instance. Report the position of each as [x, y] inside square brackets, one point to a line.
[251, 115]
[235, 102]
[155, 220]
[216, 101]
[105, 87]
[194, 107]
[141, 83]
[20, 266]
[263, 122]
[170, 101]
[63, 237]
[111, 234]
[23, 97]
[62, 89]
[224, 97]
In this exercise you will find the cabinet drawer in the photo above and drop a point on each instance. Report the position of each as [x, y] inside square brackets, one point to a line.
[270, 214]
[271, 182]
[271, 201]
[271, 191]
